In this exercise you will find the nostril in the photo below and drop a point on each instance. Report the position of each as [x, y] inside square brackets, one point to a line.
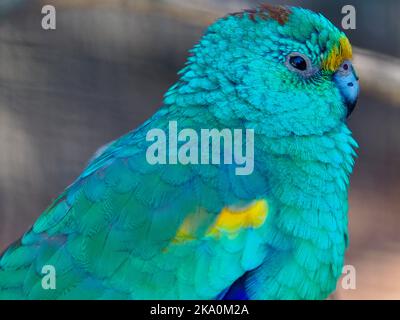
[350, 84]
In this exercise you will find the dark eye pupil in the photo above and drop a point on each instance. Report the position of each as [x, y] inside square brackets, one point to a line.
[298, 62]
[346, 67]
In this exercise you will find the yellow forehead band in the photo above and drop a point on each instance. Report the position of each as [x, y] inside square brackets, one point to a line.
[337, 55]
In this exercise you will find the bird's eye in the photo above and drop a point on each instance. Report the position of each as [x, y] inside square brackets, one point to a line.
[300, 63]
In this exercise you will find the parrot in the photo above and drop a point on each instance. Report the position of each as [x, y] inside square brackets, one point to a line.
[128, 228]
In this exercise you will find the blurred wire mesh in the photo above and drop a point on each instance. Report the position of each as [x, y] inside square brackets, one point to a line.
[66, 92]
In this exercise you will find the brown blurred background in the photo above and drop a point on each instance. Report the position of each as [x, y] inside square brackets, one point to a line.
[64, 93]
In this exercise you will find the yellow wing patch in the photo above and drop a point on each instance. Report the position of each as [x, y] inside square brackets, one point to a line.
[230, 221]
[338, 55]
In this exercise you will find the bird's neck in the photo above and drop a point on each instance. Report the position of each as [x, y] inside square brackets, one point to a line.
[311, 175]
[309, 180]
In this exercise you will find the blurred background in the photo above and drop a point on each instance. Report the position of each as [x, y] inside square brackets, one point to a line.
[104, 70]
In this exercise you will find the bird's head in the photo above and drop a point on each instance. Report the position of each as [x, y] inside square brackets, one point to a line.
[282, 70]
